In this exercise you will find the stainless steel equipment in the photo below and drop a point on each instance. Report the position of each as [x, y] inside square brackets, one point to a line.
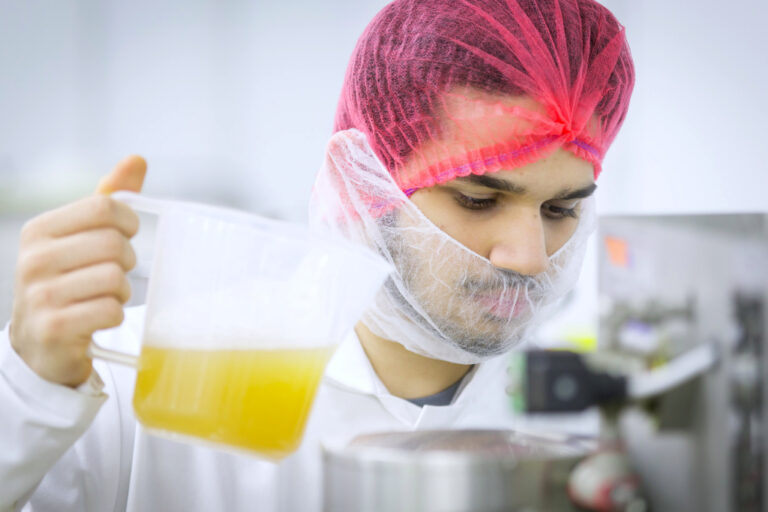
[451, 471]
[669, 284]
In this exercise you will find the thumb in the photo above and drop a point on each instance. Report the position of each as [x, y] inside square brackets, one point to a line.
[126, 175]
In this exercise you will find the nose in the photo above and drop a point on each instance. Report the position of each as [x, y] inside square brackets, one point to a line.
[521, 247]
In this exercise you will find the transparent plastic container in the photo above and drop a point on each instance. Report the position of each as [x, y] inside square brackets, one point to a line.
[242, 316]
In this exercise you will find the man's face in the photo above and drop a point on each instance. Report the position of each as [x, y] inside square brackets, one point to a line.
[514, 219]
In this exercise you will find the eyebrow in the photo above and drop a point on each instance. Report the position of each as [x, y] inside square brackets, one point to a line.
[494, 183]
[506, 186]
[579, 193]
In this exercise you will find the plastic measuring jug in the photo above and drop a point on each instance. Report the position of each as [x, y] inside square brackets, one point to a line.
[242, 316]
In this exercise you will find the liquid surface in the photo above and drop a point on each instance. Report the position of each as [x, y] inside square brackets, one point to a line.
[257, 400]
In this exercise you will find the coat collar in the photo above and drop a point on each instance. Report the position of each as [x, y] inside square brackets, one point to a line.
[350, 368]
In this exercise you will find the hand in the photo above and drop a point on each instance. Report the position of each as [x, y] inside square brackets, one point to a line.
[70, 277]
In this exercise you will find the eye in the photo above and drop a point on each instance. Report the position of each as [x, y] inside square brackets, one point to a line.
[475, 203]
[556, 212]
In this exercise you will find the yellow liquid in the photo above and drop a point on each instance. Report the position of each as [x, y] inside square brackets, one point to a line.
[258, 400]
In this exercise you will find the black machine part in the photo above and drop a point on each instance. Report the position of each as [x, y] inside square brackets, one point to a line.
[560, 381]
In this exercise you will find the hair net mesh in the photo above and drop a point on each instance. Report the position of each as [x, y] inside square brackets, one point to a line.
[440, 89]
[570, 56]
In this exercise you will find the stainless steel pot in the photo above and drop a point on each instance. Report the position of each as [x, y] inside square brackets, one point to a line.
[451, 471]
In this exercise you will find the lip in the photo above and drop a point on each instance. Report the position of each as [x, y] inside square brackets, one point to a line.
[506, 307]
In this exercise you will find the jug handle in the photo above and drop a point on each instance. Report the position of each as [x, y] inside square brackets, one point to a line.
[143, 204]
[113, 356]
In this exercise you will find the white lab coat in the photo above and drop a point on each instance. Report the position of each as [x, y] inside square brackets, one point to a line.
[81, 450]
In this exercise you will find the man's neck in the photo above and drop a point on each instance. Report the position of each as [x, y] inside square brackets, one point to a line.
[404, 373]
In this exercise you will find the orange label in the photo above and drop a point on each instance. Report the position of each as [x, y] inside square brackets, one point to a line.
[618, 251]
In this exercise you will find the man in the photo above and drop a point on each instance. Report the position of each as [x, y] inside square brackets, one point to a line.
[468, 138]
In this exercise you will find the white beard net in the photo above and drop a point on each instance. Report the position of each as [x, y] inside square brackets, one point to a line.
[443, 301]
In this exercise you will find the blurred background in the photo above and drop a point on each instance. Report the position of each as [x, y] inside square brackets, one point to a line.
[232, 103]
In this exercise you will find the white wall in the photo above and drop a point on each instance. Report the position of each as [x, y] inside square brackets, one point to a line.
[693, 141]
[228, 101]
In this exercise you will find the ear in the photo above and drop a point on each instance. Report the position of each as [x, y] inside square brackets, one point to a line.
[330, 201]
[352, 183]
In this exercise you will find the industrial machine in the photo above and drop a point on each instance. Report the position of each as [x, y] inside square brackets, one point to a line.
[670, 285]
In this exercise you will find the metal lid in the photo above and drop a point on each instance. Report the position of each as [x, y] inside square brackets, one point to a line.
[477, 470]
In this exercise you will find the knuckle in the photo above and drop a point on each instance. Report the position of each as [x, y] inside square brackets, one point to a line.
[24, 271]
[127, 292]
[102, 206]
[114, 276]
[40, 295]
[29, 231]
[132, 223]
[114, 243]
[130, 257]
[50, 328]
[113, 311]
[30, 265]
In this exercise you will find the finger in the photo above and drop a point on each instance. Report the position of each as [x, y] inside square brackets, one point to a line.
[84, 318]
[66, 364]
[101, 280]
[128, 174]
[88, 213]
[76, 251]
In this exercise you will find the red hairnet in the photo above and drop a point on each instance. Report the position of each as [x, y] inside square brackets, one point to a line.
[445, 88]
